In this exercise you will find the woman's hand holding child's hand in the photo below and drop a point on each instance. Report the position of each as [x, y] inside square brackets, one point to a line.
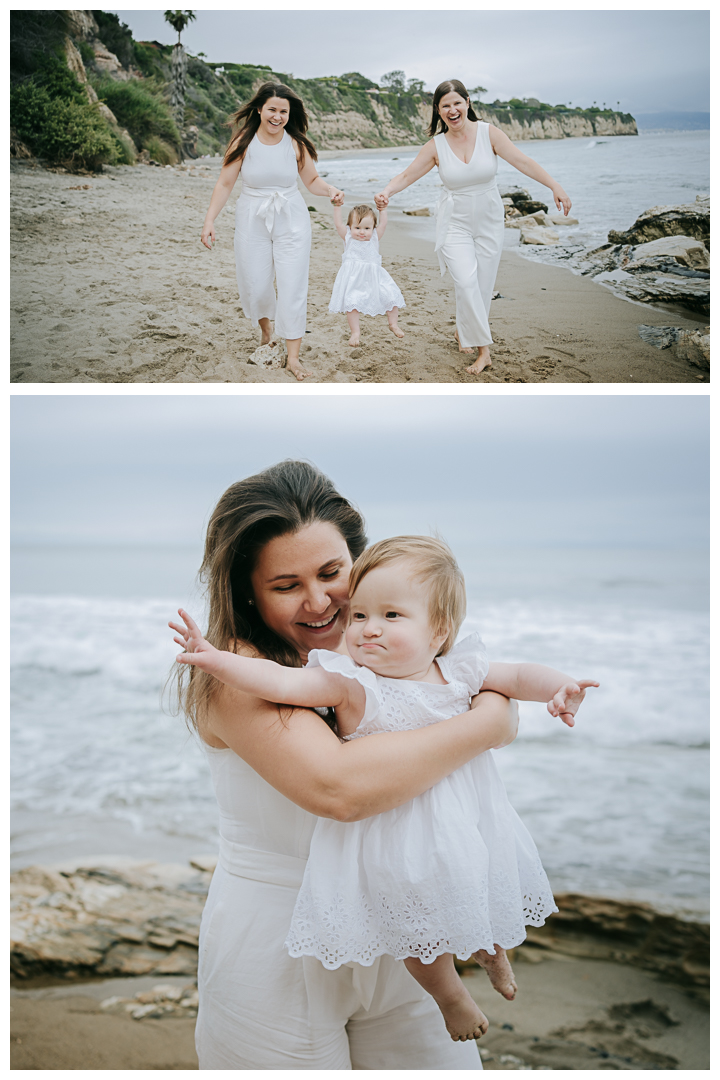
[568, 700]
[198, 651]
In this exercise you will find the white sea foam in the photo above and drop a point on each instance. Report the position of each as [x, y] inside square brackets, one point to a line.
[618, 804]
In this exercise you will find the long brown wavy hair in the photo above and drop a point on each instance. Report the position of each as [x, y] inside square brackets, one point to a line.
[247, 120]
[280, 500]
[449, 87]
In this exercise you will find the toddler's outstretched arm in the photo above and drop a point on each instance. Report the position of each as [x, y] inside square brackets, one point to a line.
[340, 225]
[310, 687]
[382, 223]
[535, 682]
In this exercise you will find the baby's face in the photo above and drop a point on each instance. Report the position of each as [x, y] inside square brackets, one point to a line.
[389, 628]
[362, 230]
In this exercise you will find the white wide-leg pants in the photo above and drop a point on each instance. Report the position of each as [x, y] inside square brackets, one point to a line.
[280, 253]
[472, 252]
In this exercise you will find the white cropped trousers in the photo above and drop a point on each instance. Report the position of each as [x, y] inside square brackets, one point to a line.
[272, 243]
[471, 250]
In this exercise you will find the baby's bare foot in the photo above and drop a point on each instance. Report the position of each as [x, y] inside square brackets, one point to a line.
[396, 330]
[483, 361]
[463, 1019]
[354, 339]
[499, 971]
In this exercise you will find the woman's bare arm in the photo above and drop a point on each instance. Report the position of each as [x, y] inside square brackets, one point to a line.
[304, 760]
[507, 150]
[422, 165]
[221, 194]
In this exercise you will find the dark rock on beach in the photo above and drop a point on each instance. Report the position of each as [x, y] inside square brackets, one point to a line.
[691, 219]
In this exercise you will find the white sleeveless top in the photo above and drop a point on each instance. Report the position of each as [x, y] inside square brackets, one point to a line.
[270, 174]
[459, 178]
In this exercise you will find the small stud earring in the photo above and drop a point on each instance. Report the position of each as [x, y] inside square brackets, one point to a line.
[252, 603]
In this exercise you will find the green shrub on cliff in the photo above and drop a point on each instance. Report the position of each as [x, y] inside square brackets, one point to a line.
[141, 108]
[64, 131]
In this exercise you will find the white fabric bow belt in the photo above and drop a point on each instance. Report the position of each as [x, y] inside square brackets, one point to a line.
[268, 866]
[274, 201]
[444, 213]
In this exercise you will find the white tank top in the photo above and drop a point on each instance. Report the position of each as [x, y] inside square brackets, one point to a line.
[480, 170]
[270, 167]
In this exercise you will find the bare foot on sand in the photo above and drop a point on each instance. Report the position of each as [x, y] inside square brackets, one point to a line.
[298, 370]
[460, 347]
[267, 333]
[354, 339]
[483, 361]
[499, 971]
[463, 1019]
[396, 330]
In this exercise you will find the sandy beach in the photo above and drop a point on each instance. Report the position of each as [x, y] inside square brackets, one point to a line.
[570, 1013]
[104, 957]
[111, 284]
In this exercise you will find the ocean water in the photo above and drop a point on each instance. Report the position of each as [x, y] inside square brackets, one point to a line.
[618, 805]
[611, 181]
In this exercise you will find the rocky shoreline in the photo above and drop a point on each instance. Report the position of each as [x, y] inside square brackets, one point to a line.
[662, 260]
[120, 917]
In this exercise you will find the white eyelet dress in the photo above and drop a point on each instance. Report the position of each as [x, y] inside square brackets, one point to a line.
[261, 1009]
[272, 238]
[470, 226]
[452, 871]
[362, 284]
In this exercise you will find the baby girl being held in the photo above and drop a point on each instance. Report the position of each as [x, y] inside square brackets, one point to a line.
[362, 286]
[454, 870]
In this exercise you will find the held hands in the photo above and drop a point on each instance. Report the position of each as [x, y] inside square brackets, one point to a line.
[198, 651]
[337, 198]
[562, 201]
[381, 200]
[568, 700]
[207, 237]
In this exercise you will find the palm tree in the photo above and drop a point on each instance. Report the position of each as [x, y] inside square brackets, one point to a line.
[179, 20]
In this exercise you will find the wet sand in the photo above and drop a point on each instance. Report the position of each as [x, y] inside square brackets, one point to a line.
[111, 284]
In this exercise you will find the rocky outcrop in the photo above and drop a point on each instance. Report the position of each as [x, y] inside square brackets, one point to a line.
[689, 219]
[655, 261]
[126, 917]
[118, 918]
[690, 345]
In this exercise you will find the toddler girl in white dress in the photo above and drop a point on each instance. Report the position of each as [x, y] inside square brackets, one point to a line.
[453, 870]
[362, 286]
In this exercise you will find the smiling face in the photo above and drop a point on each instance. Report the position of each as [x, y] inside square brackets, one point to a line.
[274, 115]
[453, 110]
[362, 230]
[389, 628]
[300, 586]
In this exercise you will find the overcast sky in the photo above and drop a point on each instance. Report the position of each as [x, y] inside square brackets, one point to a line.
[510, 470]
[649, 61]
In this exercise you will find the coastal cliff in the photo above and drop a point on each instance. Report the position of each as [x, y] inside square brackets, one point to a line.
[115, 107]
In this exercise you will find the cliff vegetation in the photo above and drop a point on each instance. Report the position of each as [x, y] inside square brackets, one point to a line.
[84, 92]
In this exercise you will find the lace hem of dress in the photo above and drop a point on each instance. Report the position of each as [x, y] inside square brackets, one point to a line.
[337, 931]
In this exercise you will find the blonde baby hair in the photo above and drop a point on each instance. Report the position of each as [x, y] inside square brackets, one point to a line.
[359, 212]
[434, 563]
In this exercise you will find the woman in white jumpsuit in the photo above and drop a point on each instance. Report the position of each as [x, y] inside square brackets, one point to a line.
[277, 558]
[272, 223]
[470, 216]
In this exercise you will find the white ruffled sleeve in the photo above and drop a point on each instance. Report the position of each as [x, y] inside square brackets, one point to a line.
[467, 662]
[338, 664]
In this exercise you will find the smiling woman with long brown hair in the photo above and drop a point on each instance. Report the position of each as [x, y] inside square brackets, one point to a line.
[269, 150]
[278, 554]
[470, 217]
